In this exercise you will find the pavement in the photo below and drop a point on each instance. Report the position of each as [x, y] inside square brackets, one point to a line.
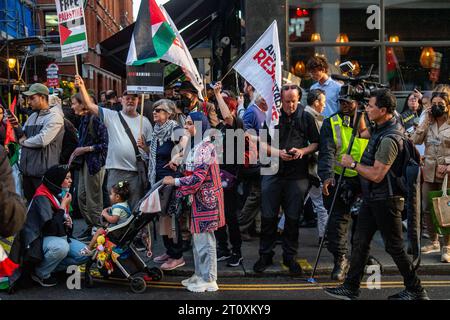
[307, 252]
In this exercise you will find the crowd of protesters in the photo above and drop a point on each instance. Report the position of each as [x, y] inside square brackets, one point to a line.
[225, 200]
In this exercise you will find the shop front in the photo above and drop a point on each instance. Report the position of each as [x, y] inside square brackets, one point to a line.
[407, 42]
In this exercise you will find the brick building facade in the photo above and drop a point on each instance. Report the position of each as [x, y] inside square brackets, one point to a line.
[103, 19]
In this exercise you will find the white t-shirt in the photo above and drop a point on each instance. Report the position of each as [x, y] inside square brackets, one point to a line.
[121, 155]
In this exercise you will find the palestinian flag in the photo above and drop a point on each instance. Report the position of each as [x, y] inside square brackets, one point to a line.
[72, 31]
[155, 37]
[391, 63]
[9, 129]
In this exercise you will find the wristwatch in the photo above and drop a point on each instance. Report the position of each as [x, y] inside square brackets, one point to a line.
[353, 165]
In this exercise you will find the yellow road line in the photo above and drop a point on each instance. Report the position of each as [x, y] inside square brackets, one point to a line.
[224, 287]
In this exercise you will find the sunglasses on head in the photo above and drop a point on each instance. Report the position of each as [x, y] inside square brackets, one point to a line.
[290, 87]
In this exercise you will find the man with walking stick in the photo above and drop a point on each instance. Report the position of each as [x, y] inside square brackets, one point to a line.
[383, 202]
[335, 137]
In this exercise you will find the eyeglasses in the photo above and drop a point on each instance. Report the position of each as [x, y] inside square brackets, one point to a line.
[413, 98]
[290, 87]
[437, 105]
[158, 110]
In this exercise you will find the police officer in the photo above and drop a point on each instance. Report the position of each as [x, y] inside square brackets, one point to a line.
[335, 137]
[382, 201]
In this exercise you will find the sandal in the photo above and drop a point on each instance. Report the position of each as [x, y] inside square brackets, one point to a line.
[86, 252]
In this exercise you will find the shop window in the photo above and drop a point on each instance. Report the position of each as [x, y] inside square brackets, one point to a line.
[51, 26]
[325, 22]
[418, 20]
[417, 67]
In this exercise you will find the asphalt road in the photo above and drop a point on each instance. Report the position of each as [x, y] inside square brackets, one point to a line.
[278, 288]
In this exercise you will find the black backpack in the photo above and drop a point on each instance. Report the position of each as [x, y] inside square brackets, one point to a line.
[70, 141]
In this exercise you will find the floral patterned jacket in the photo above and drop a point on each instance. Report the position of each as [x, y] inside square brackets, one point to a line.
[202, 183]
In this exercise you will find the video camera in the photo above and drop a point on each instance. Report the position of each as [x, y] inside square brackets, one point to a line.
[357, 88]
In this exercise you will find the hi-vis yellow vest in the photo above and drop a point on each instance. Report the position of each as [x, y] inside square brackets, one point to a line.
[342, 135]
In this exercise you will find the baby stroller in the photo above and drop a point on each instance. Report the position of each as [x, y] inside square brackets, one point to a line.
[116, 256]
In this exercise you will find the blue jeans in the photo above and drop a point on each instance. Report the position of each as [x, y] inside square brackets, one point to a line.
[59, 254]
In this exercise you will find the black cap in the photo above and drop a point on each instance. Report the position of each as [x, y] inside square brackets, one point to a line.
[345, 98]
[187, 86]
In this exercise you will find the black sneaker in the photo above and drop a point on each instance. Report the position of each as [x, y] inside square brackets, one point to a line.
[410, 295]
[262, 264]
[342, 293]
[294, 266]
[235, 260]
[49, 282]
[139, 245]
[223, 255]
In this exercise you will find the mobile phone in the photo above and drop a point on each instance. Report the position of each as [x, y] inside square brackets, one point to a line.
[291, 153]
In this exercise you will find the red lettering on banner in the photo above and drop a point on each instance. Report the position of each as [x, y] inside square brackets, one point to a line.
[261, 55]
[268, 62]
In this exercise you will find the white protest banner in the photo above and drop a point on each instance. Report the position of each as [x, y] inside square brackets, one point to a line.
[72, 27]
[261, 67]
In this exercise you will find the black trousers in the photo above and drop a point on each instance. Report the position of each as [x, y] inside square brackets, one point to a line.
[231, 229]
[385, 216]
[174, 250]
[339, 220]
[30, 184]
[289, 194]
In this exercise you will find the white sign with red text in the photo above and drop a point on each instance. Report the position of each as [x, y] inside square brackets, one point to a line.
[261, 67]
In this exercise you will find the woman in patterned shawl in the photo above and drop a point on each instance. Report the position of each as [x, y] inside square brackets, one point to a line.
[202, 184]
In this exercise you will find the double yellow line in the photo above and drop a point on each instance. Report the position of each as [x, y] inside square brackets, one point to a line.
[281, 286]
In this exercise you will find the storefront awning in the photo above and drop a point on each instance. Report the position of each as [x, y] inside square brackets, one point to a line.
[197, 14]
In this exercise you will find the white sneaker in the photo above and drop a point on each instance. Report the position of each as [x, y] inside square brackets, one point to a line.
[432, 248]
[202, 286]
[191, 280]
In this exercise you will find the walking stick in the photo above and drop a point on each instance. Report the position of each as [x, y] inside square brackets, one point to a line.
[360, 112]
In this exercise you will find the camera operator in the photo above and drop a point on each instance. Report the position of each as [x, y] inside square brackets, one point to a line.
[382, 206]
[335, 137]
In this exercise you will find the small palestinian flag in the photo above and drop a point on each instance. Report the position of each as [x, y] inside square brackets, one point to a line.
[72, 31]
[391, 63]
[7, 267]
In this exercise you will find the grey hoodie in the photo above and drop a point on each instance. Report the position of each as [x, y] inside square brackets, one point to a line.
[42, 148]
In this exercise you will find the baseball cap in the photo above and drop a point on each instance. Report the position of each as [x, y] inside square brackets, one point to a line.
[37, 88]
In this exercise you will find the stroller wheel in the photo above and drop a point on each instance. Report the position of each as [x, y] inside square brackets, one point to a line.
[154, 274]
[138, 285]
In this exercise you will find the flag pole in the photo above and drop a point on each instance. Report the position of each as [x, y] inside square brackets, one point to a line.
[226, 74]
[142, 115]
[76, 64]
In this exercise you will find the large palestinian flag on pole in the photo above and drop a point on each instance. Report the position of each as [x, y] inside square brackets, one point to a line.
[155, 37]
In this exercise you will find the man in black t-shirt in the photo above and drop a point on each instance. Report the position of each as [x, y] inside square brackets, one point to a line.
[298, 137]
